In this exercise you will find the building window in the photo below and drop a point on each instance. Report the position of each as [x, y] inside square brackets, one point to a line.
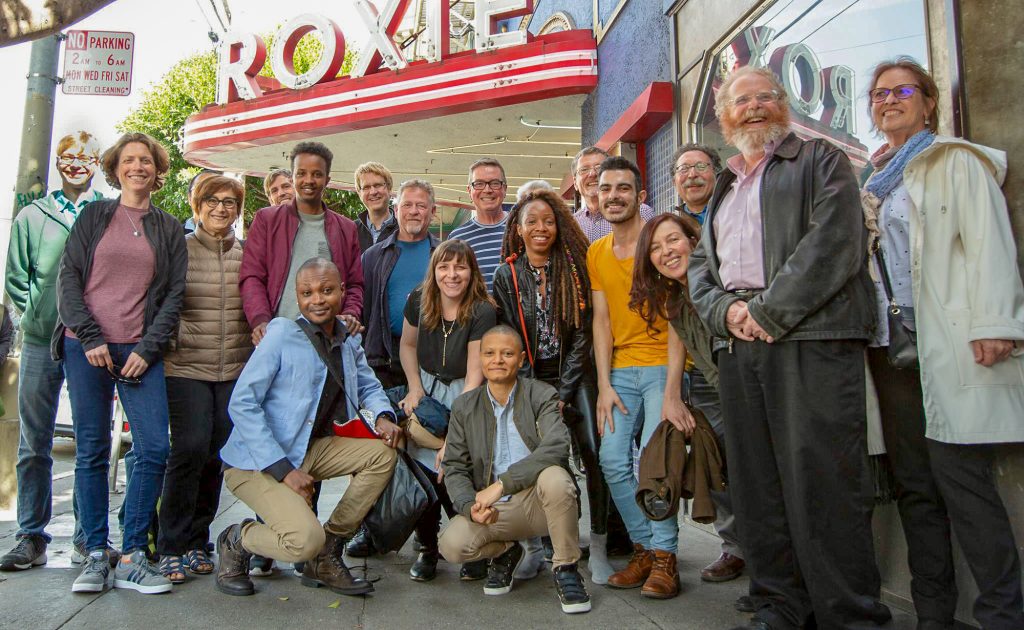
[824, 55]
[658, 151]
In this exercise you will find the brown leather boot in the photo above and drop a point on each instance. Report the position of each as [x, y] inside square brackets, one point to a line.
[663, 582]
[328, 569]
[636, 572]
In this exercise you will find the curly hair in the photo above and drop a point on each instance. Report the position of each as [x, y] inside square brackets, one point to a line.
[652, 296]
[570, 285]
[112, 157]
[430, 298]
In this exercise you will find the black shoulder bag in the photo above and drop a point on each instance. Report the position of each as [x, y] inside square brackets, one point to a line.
[902, 348]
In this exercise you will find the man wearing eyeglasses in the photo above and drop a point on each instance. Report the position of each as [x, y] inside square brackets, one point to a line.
[376, 223]
[780, 271]
[584, 171]
[37, 242]
[484, 232]
[693, 174]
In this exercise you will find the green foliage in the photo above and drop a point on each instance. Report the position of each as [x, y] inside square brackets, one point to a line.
[184, 90]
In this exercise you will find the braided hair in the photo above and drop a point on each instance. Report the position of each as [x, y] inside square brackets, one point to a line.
[570, 285]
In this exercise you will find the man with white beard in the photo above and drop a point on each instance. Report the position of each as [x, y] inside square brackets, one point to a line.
[780, 272]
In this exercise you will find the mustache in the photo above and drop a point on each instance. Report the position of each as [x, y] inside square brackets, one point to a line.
[695, 181]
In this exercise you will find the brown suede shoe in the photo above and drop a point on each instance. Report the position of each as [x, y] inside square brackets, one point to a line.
[636, 572]
[328, 569]
[727, 567]
[663, 582]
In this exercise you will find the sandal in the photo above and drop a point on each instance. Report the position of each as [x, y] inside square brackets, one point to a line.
[171, 568]
[198, 562]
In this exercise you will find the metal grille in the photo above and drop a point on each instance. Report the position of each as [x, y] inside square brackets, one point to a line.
[659, 148]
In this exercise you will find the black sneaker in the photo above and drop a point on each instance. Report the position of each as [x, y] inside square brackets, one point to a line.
[30, 551]
[360, 546]
[260, 566]
[473, 571]
[571, 591]
[500, 571]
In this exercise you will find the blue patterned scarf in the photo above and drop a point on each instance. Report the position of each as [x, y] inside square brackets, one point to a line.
[884, 181]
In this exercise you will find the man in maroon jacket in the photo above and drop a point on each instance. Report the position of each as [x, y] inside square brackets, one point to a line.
[283, 237]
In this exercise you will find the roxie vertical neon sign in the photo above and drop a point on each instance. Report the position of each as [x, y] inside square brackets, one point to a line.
[242, 55]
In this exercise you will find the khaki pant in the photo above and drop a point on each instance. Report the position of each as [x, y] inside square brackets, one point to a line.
[548, 508]
[292, 532]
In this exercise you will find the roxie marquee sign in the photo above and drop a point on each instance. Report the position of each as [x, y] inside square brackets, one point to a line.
[242, 55]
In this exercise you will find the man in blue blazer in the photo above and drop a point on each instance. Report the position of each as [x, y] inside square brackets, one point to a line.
[285, 407]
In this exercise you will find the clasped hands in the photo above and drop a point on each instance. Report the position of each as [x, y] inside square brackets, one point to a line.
[741, 324]
[483, 510]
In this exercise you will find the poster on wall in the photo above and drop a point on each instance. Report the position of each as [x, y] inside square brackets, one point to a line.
[824, 56]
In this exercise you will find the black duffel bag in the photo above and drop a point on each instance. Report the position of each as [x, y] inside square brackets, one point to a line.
[393, 517]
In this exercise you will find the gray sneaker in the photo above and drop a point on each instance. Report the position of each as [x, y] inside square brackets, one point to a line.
[79, 554]
[93, 578]
[139, 574]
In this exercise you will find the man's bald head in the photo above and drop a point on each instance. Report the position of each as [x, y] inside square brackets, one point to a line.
[504, 329]
[320, 265]
[319, 292]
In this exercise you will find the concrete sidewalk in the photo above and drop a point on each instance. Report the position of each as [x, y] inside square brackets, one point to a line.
[41, 598]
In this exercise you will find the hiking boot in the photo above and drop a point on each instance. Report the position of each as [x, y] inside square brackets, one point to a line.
[663, 582]
[636, 572]
[329, 569]
[233, 560]
[30, 551]
[79, 554]
[260, 566]
[360, 546]
[93, 578]
[501, 571]
[139, 574]
[425, 567]
[571, 591]
[473, 571]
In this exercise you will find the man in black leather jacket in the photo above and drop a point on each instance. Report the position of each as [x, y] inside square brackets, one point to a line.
[781, 273]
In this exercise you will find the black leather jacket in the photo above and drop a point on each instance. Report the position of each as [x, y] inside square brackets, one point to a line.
[575, 360]
[815, 244]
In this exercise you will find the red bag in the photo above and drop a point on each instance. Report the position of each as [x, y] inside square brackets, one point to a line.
[355, 428]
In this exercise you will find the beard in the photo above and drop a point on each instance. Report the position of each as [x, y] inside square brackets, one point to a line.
[750, 141]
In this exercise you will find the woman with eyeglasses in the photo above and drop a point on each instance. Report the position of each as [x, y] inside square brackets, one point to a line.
[445, 319]
[212, 345]
[543, 291]
[120, 290]
[946, 268]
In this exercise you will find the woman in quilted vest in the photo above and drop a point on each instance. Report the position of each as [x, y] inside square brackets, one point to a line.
[212, 345]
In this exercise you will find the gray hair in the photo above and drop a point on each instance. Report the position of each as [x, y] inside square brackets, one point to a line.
[532, 185]
[716, 159]
[591, 150]
[416, 184]
[487, 161]
[724, 97]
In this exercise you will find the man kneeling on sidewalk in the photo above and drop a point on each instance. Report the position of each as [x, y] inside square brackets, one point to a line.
[506, 470]
[284, 407]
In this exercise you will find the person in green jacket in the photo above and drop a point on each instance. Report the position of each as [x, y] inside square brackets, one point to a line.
[37, 242]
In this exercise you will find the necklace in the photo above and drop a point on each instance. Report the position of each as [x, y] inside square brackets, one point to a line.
[135, 230]
[444, 346]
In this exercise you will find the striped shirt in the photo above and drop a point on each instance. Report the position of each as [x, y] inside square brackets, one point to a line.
[595, 226]
[485, 240]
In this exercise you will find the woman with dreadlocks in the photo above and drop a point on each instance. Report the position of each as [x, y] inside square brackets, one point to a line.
[542, 291]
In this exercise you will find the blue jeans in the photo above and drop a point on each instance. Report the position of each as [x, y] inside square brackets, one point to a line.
[39, 382]
[92, 390]
[637, 387]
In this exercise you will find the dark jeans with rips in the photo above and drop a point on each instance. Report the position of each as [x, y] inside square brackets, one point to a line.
[939, 485]
[800, 481]
[200, 426]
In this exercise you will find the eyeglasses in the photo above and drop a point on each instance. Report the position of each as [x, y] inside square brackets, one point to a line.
[587, 170]
[494, 184]
[115, 373]
[902, 92]
[84, 160]
[762, 98]
[229, 203]
[685, 168]
[369, 187]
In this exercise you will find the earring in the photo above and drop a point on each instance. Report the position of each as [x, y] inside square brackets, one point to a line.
[926, 121]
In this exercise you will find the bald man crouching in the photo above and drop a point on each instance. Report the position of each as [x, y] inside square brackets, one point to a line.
[284, 409]
[506, 471]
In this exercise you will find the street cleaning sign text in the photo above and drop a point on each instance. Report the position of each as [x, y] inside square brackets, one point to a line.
[98, 62]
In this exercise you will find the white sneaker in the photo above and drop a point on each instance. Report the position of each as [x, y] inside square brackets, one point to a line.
[140, 575]
[93, 578]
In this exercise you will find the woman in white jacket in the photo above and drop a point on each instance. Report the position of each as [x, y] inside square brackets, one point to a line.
[942, 226]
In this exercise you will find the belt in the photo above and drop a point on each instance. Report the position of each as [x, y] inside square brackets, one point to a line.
[747, 293]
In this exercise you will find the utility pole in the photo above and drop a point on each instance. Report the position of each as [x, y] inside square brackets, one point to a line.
[37, 127]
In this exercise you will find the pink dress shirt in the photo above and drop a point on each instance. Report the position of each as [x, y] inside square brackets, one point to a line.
[739, 234]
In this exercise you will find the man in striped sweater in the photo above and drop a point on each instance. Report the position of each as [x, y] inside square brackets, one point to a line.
[484, 232]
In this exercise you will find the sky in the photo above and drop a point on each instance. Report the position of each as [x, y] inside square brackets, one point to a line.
[165, 32]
